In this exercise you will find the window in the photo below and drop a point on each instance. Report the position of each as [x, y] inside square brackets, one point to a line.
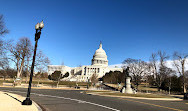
[85, 71]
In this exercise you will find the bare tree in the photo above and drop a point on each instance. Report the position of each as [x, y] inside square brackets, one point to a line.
[162, 58]
[42, 61]
[4, 65]
[153, 61]
[137, 68]
[3, 57]
[3, 29]
[186, 78]
[179, 63]
[147, 74]
[158, 67]
[27, 65]
[170, 73]
[94, 79]
[41, 64]
[1, 47]
[19, 53]
[163, 70]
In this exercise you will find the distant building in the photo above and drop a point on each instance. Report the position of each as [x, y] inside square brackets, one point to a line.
[99, 66]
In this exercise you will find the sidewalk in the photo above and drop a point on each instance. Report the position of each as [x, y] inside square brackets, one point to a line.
[12, 102]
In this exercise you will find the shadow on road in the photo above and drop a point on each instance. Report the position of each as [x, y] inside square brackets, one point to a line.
[13, 97]
[177, 96]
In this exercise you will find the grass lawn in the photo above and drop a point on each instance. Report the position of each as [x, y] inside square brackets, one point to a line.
[141, 87]
[7, 81]
[67, 83]
[144, 88]
[48, 82]
[138, 95]
[97, 91]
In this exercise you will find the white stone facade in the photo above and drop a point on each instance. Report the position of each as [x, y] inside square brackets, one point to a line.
[99, 66]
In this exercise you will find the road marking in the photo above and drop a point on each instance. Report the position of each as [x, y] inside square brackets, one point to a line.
[152, 104]
[77, 100]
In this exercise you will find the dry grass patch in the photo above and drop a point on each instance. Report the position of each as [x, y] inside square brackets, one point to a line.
[136, 95]
[97, 91]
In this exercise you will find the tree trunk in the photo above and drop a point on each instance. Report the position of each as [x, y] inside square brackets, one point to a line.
[38, 83]
[184, 88]
[26, 78]
[158, 88]
[57, 83]
[20, 69]
[137, 87]
[183, 72]
[27, 72]
[169, 88]
[146, 86]
[17, 65]
[18, 74]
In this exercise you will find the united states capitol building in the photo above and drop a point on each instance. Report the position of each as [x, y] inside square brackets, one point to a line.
[99, 66]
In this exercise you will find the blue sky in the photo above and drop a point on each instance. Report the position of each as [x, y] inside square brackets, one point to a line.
[74, 28]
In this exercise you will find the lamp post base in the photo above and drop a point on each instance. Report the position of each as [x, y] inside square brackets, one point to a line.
[27, 101]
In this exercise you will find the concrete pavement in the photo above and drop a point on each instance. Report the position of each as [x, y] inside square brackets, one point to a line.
[12, 102]
[95, 93]
[72, 100]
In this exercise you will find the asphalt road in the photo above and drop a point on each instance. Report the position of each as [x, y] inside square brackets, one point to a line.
[74, 100]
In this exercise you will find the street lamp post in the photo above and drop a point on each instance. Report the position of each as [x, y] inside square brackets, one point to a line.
[38, 28]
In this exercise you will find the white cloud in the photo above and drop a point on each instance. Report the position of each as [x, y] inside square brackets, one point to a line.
[115, 65]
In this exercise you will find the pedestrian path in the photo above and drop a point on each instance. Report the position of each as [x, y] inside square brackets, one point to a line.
[12, 102]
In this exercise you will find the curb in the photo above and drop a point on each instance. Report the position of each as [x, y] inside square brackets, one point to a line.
[164, 99]
[38, 107]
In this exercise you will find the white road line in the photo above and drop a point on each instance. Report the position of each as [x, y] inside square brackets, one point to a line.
[77, 100]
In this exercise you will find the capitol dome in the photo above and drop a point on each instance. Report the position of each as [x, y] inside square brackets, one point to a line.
[100, 57]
